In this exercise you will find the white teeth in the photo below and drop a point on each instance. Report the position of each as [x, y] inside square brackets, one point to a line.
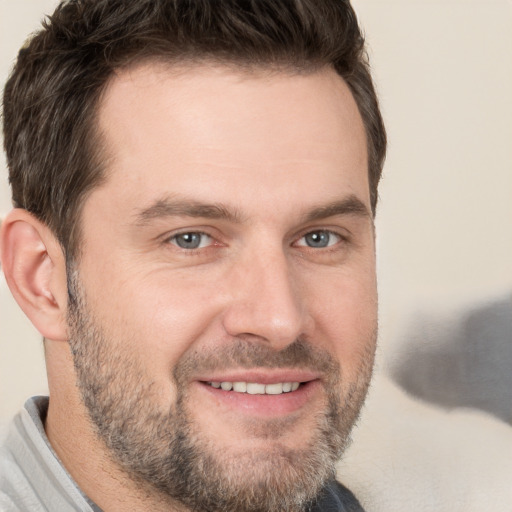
[240, 387]
[273, 389]
[255, 388]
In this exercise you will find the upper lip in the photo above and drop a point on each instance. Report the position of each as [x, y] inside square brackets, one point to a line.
[267, 376]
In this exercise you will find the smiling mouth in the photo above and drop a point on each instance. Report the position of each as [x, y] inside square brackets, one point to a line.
[256, 388]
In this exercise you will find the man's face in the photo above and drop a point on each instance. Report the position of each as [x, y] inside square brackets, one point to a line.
[231, 245]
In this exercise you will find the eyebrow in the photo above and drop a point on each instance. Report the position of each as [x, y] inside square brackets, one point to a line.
[169, 207]
[351, 206]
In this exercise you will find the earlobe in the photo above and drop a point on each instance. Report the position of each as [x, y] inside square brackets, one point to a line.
[34, 266]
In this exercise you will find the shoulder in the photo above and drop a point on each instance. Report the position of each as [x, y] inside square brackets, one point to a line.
[7, 505]
[9, 488]
[11, 480]
[19, 462]
[335, 497]
[31, 476]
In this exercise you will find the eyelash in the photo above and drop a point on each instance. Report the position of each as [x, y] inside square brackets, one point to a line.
[322, 232]
[193, 250]
[172, 239]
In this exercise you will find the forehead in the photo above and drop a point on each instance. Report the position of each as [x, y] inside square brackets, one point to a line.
[170, 129]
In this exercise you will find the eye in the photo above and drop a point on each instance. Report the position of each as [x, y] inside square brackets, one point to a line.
[191, 240]
[319, 239]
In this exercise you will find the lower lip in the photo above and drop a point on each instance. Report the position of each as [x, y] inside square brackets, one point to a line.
[265, 405]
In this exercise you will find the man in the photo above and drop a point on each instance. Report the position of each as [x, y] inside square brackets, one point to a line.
[194, 187]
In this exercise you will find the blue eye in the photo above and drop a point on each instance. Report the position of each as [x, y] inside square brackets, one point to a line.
[319, 239]
[191, 240]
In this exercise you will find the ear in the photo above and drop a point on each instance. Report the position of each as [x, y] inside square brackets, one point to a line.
[34, 266]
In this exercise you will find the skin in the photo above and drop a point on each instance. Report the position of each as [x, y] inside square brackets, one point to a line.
[280, 156]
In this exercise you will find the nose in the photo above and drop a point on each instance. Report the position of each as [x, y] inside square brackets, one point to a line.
[266, 301]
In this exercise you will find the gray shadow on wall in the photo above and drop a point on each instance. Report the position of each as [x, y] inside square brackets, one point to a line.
[463, 362]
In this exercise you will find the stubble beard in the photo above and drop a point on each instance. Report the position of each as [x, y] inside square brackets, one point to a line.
[167, 456]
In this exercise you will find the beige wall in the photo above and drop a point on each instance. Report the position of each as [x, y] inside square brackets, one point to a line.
[22, 372]
[444, 72]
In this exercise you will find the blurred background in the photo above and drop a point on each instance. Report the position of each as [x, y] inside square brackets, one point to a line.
[444, 382]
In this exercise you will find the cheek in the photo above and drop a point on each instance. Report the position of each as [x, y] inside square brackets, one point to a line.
[346, 317]
[155, 318]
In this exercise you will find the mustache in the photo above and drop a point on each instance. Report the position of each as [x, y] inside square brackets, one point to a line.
[249, 354]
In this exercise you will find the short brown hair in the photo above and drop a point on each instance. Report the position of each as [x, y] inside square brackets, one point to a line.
[51, 98]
